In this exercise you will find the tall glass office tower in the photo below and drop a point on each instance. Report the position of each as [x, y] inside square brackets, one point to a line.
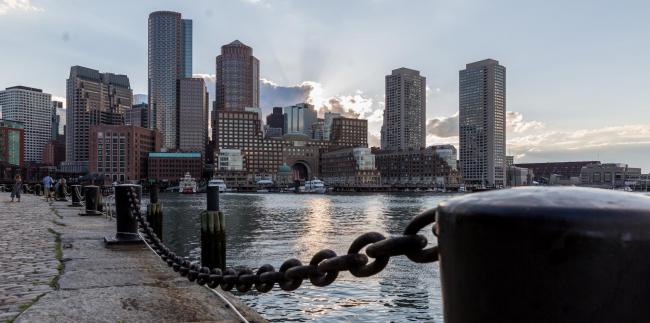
[170, 59]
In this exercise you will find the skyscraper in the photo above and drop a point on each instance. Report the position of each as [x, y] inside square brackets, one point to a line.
[170, 59]
[193, 115]
[33, 108]
[482, 122]
[238, 78]
[405, 113]
[56, 118]
[92, 98]
[299, 118]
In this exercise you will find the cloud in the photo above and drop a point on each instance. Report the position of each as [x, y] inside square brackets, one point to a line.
[443, 127]
[275, 95]
[515, 123]
[373, 140]
[8, 6]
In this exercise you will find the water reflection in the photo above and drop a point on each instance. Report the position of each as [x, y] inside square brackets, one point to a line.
[270, 228]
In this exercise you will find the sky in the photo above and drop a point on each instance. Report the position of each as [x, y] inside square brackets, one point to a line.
[578, 74]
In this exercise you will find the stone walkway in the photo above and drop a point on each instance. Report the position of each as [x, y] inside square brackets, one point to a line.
[121, 284]
[28, 263]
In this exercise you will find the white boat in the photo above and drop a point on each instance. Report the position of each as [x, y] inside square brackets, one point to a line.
[187, 184]
[314, 186]
[218, 183]
[262, 186]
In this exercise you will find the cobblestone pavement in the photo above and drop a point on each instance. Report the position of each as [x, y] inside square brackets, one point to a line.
[28, 261]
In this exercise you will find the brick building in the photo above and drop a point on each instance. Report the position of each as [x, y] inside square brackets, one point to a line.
[120, 152]
[350, 167]
[348, 132]
[171, 166]
[422, 168]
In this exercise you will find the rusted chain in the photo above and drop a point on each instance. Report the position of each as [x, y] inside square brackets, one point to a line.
[322, 270]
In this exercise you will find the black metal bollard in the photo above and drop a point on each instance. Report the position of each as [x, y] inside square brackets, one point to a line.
[93, 198]
[213, 232]
[545, 255]
[37, 189]
[76, 195]
[127, 222]
[155, 212]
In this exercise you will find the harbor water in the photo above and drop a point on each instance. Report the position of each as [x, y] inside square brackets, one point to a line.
[270, 228]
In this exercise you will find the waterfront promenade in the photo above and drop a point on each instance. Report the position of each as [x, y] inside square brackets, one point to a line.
[55, 268]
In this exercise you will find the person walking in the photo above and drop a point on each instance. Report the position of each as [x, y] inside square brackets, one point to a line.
[18, 187]
[47, 187]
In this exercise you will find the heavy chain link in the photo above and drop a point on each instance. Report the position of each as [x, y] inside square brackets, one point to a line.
[323, 268]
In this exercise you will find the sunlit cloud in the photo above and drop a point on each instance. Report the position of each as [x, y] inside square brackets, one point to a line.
[9, 6]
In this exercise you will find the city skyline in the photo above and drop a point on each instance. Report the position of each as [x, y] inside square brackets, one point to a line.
[567, 103]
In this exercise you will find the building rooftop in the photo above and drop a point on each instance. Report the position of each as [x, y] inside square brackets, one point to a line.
[174, 155]
[26, 88]
[485, 62]
[4, 123]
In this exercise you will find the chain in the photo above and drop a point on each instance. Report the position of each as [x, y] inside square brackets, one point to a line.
[323, 268]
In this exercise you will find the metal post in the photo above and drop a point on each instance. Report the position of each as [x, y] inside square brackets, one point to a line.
[213, 232]
[76, 195]
[60, 193]
[127, 222]
[154, 212]
[545, 255]
[93, 197]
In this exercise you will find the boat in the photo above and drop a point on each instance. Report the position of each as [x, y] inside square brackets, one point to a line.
[187, 184]
[314, 186]
[218, 183]
[264, 185]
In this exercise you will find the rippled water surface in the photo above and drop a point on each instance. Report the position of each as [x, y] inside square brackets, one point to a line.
[270, 228]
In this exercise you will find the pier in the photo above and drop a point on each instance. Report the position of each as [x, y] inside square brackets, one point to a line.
[55, 268]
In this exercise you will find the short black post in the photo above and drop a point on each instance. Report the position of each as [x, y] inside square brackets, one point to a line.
[93, 198]
[213, 232]
[126, 207]
[154, 211]
[37, 189]
[545, 255]
[76, 195]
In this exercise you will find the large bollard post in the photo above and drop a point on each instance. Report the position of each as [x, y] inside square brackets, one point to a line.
[545, 255]
[93, 198]
[76, 195]
[125, 215]
[213, 232]
[154, 211]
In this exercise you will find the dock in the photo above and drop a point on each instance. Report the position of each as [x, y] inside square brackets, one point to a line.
[57, 269]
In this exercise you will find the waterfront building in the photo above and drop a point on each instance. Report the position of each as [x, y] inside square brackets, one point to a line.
[417, 168]
[137, 116]
[482, 119]
[284, 176]
[349, 132]
[609, 175]
[171, 166]
[193, 115]
[448, 153]
[276, 118]
[350, 167]
[304, 158]
[327, 124]
[299, 118]
[57, 112]
[241, 130]
[230, 160]
[562, 173]
[120, 153]
[237, 78]
[12, 143]
[33, 108]
[404, 124]
[93, 98]
[54, 151]
[519, 176]
[170, 59]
